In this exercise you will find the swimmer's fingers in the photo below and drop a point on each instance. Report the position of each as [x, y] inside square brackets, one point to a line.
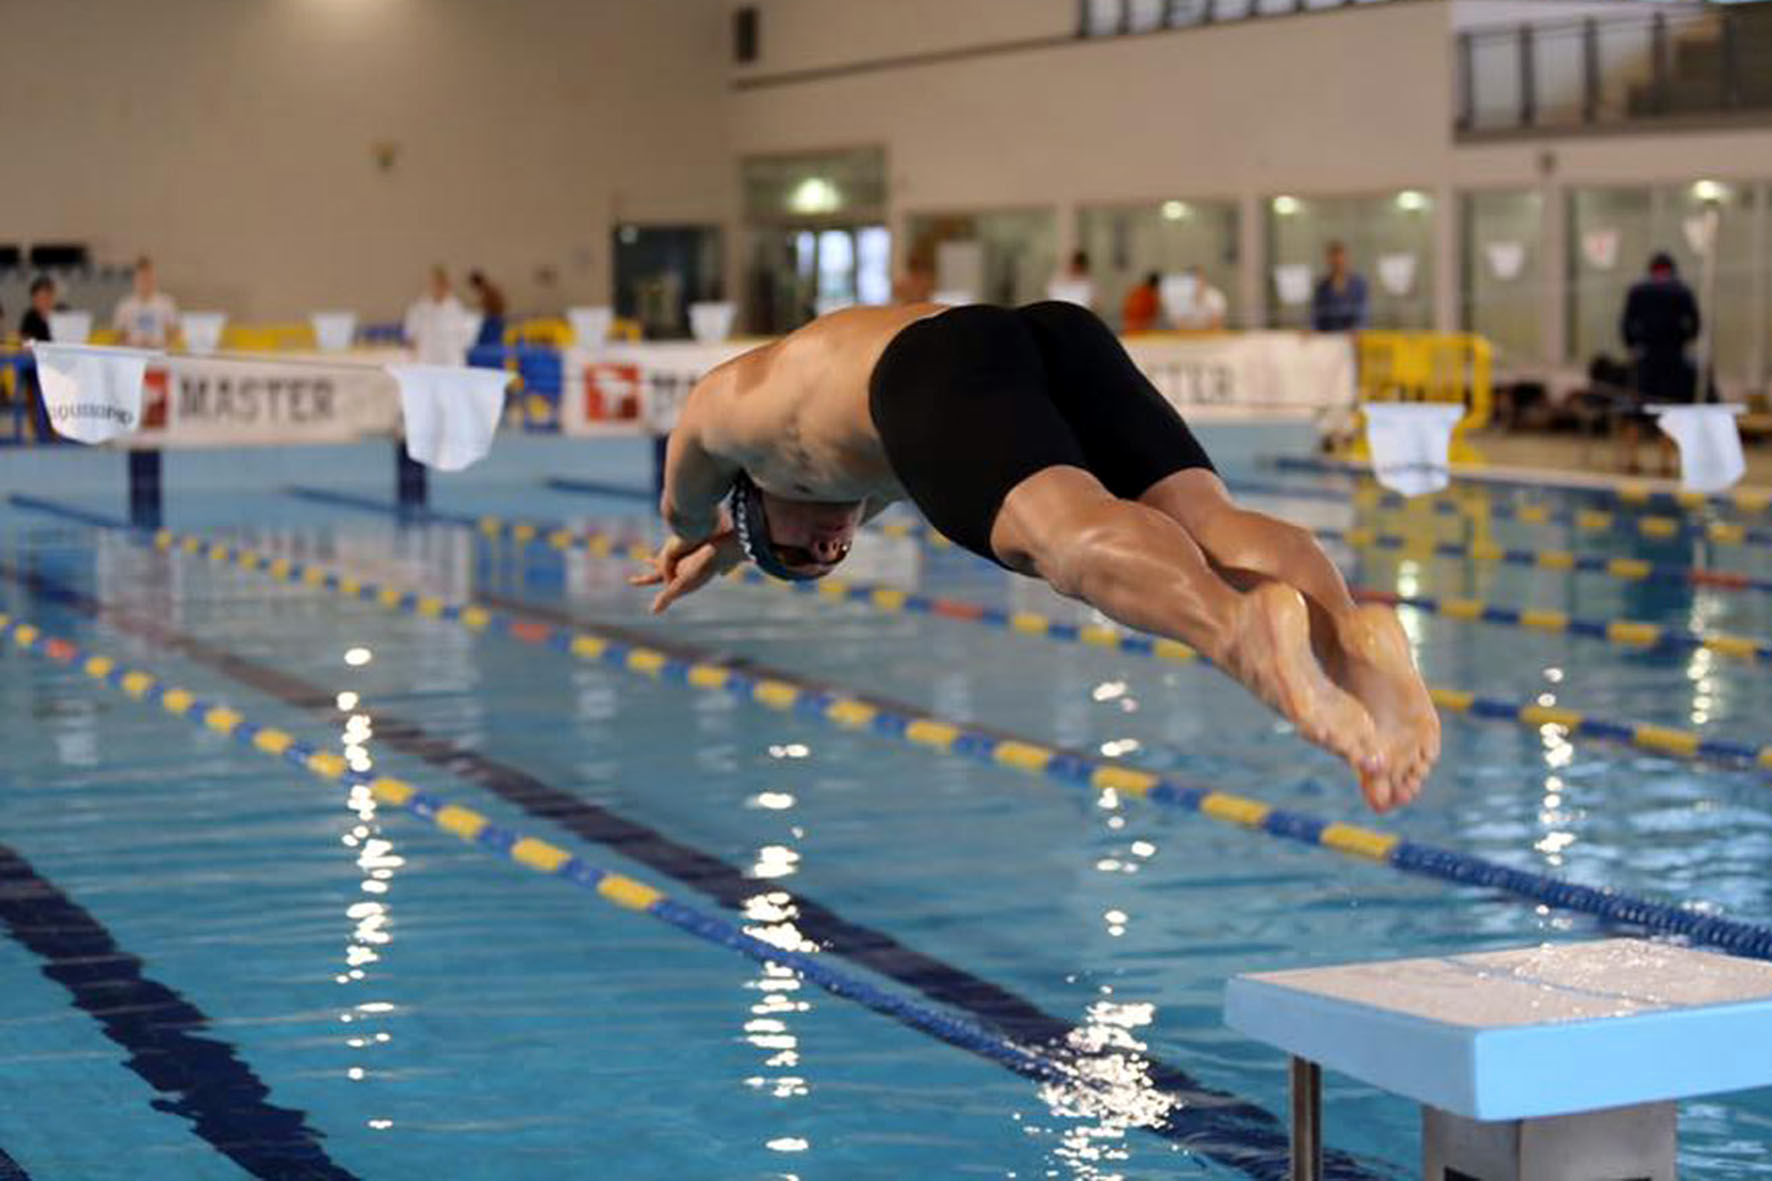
[665, 563]
[691, 574]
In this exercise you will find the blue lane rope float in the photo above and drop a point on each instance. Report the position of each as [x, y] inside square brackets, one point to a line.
[1630, 492]
[1228, 1136]
[1021, 754]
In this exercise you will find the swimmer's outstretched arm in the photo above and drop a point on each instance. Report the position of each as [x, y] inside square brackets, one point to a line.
[696, 479]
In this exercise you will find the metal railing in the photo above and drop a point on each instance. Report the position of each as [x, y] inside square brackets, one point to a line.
[1703, 62]
[1117, 18]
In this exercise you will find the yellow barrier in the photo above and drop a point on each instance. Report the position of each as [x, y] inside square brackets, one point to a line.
[554, 332]
[269, 338]
[1428, 367]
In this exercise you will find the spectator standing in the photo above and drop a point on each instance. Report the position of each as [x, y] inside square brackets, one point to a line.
[1139, 311]
[916, 284]
[1203, 306]
[492, 307]
[1660, 322]
[34, 325]
[146, 318]
[1076, 285]
[438, 327]
[1339, 303]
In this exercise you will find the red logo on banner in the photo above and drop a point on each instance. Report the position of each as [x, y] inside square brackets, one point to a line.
[154, 398]
[612, 392]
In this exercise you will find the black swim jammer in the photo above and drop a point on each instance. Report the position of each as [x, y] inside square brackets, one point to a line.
[971, 402]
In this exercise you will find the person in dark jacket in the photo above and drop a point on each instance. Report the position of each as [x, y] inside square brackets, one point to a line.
[35, 326]
[1660, 321]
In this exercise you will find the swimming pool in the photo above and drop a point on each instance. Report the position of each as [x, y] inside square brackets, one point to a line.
[219, 964]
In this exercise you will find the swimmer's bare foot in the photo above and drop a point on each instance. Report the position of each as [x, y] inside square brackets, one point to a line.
[1374, 665]
[1269, 652]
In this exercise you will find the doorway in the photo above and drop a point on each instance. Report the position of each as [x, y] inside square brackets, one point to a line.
[660, 271]
[801, 272]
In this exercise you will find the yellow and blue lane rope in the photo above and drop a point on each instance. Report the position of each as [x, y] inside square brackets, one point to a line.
[1630, 492]
[1622, 569]
[1581, 520]
[1025, 755]
[1665, 740]
[535, 854]
[1625, 633]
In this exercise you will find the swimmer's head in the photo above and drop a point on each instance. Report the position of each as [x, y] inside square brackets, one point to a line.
[795, 540]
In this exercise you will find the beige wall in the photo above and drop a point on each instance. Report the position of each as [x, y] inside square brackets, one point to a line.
[1289, 103]
[231, 139]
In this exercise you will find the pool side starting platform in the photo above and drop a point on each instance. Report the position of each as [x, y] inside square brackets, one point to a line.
[1555, 1063]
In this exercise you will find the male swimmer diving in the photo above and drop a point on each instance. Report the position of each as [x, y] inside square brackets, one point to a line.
[1028, 436]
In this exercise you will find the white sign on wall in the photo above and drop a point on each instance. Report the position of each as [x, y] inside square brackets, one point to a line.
[1600, 248]
[1507, 258]
[1292, 282]
[1396, 273]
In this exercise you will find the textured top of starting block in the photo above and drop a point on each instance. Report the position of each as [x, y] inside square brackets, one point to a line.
[1518, 1034]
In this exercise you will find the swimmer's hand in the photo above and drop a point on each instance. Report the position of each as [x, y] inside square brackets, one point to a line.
[682, 567]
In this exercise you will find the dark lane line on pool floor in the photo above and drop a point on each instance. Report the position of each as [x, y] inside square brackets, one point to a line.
[168, 1038]
[1224, 1126]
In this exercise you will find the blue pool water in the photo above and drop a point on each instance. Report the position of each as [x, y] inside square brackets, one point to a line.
[256, 973]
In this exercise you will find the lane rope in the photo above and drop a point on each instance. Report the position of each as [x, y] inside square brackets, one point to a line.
[1220, 1133]
[930, 732]
[1663, 740]
[1630, 492]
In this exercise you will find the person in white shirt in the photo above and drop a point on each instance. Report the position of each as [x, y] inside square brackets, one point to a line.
[147, 318]
[1196, 305]
[1075, 285]
[439, 326]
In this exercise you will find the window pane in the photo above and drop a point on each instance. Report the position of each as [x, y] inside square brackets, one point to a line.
[1127, 242]
[1503, 275]
[873, 278]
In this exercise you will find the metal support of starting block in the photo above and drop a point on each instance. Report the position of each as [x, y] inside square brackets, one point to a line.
[1555, 1063]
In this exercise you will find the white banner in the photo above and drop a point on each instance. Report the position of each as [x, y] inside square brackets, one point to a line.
[213, 402]
[1250, 371]
[627, 387]
[630, 387]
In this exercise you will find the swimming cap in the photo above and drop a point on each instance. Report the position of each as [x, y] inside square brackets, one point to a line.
[752, 526]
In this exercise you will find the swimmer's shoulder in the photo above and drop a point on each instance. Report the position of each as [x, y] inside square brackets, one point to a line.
[852, 338]
[811, 357]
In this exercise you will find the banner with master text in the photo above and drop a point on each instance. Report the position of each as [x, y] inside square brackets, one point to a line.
[195, 401]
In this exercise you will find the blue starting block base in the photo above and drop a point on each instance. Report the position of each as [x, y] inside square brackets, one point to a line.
[1543, 1063]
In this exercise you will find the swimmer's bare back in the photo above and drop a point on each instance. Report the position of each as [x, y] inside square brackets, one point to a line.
[794, 414]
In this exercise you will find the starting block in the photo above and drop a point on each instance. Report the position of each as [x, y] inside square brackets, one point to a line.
[1554, 1063]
